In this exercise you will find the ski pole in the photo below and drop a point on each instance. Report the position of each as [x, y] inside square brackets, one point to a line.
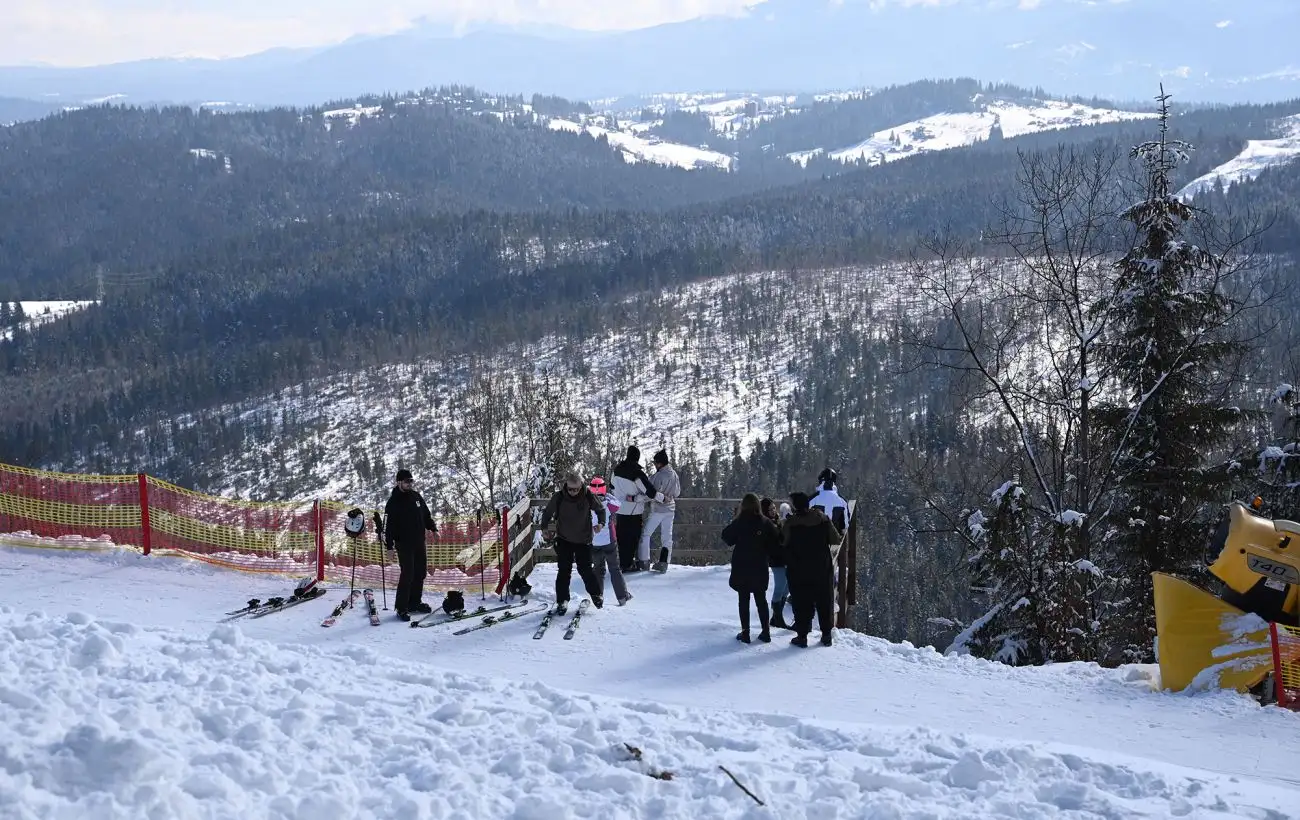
[482, 570]
[353, 587]
[383, 570]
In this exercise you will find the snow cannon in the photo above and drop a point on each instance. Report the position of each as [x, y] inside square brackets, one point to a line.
[1208, 641]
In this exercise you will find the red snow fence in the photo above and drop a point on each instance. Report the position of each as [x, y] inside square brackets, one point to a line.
[71, 511]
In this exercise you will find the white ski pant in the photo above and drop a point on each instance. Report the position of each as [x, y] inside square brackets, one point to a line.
[662, 521]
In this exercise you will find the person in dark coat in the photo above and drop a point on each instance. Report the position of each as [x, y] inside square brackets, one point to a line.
[406, 520]
[809, 536]
[776, 560]
[634, 491]
[571, 509]
[752, 538]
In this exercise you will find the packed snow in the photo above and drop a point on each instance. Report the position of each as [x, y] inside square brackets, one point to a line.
[1253, 159]
[123, 697]
[942, 132]
[640, 149]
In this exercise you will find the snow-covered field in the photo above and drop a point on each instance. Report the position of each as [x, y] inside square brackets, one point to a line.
[122, 697]
[640, 149]
[40, 312]
[1253, 159]
[942, 132]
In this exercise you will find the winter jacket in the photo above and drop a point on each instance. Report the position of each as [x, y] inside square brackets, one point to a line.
[632, 487]
[572, 515]
[808, 540]
[666, 482]
[406, 518]
[828, 501]
[776, 557]
[752, 538]
[606, 536]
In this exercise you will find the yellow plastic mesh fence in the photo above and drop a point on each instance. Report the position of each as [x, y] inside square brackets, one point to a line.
[1286, 654]
[74, 510]
[258, 536]
[464, 553]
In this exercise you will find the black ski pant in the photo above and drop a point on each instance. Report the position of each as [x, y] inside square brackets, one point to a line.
[629, 536]
[566, 553]
[809, 597]
[760, 600]
[414, 562]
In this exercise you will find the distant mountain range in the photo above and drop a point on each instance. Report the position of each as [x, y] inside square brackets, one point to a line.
[1208, 50]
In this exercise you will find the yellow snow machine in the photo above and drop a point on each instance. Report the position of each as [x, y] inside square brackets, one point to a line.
[1245, 638]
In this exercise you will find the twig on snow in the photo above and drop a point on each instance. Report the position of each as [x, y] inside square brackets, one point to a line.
[741, 785]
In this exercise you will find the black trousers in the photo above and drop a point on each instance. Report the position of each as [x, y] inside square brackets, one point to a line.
[566, 554]
[760, 600]
[629, 536]
[414, 562]
[805, 598]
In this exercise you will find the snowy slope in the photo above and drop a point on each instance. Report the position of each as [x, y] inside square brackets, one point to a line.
[699, 379]
[1254, 158]
[123, 698]
[640, 149]
[942, 132]
[40, 312]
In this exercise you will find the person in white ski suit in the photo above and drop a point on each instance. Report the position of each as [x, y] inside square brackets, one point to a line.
[633, 489]
[604, 544]
[667, 485]
[829, 500]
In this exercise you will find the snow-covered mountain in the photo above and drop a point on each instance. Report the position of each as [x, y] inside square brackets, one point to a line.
[995, 119]
[123, 698]
[636, 148]
[1253, 159]
[699, 383]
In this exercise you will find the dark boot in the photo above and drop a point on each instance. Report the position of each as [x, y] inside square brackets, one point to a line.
[826, 639]
[765, 636]
[778, 614]
[800, 640]
[743, 637]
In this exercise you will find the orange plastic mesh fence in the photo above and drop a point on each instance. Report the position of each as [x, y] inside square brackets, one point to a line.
[465, 552]
[258, 536]
[1288, 665]
[77, 510]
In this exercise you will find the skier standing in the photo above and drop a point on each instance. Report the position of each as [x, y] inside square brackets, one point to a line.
[571, 509]
[666, 485]
[829, 501]
[407, 518]
[604, 547]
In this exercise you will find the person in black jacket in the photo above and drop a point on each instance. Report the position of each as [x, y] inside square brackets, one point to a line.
[406, 519]
[752, 538]
[809, 536]
[571, 509]
[633, 489]
[776, 560]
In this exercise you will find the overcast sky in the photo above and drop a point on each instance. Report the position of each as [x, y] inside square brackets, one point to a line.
[88, 32]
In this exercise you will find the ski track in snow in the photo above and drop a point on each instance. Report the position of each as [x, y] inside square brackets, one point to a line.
[123, 698]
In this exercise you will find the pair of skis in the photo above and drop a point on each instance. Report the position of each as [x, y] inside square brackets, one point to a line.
[349, 601]
[573, 622]
[304, 591]
[493, 620]
[440, 618]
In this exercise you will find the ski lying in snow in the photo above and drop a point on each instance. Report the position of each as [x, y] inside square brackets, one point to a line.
[285, 603]
[370, 604]
[257, 607]
[577, 619]
[434, 619]
[546, 621]
[493, 620]
[347, 603]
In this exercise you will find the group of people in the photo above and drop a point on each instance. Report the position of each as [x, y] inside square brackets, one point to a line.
[607, 531]
[796, 542]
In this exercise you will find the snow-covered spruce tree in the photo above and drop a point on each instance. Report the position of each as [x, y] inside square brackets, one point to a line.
[1167, 347]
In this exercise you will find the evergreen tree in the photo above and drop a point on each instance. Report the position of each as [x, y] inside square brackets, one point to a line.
[1167, 348]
